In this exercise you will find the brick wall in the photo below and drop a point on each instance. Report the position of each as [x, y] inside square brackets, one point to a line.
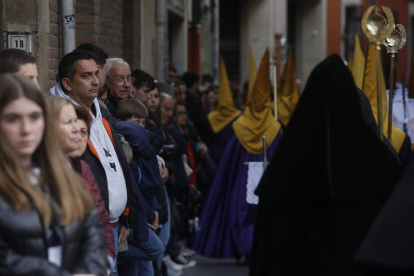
[100, 22]
[128, 31]
[131, 29]
[110, 24]
[54, 42]
[136, 60]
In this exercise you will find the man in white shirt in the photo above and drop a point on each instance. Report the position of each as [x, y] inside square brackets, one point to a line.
[79, 82]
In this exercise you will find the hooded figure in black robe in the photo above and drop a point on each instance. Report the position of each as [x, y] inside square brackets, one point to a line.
[388, 248]
[326, 181]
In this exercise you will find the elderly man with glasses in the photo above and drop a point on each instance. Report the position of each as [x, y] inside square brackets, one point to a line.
[119, 80]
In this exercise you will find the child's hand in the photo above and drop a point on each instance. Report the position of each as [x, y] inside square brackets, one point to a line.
[156, 222]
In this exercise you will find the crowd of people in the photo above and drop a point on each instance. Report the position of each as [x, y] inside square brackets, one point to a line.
[105, 173]
[112, 172]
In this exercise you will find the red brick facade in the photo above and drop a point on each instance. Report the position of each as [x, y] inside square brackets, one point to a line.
[131, 22]
[54, 47]
[113, 25]
[100, 23]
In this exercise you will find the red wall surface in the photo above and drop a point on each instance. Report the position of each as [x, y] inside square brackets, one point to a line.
[334, 27]
[194, 48]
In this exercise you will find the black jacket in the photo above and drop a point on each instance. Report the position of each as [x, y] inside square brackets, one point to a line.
[155, 136]
[178, 179]
[100, 174]
[23, 244]
[194, 108]
[112, 103]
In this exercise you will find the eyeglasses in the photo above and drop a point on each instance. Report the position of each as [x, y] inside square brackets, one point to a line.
[120, 80]
[181, 113]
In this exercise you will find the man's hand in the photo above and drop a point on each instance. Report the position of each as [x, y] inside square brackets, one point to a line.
[123, 234]
[203, 150]
[166, 176]
[161, 169]
[156, 222]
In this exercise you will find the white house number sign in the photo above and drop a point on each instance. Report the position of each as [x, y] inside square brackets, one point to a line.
[22, 41]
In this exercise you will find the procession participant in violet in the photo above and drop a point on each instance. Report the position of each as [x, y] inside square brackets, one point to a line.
[227, 219]
[221, 119]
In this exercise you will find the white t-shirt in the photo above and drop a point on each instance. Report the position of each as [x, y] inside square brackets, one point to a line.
[117, 191]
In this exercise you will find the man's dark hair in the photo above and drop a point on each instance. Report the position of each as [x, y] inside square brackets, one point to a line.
[190, 77]
[207, 78]
[129, 108]
[212, 88]
[105, 89]
[12, 59]
[99, 54]
[142, 78]
[180, 103]
[152, 116]
[67, 67]
[172, 68]
[178, 82]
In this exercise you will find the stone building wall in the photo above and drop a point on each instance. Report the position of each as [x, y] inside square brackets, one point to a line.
[41, 19]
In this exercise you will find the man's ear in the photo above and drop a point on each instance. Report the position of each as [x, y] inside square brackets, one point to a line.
[67, 84]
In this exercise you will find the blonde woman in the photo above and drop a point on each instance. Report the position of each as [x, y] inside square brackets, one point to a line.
[72, 125]
[48, 225]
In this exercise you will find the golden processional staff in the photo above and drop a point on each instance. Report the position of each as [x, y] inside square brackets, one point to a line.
[374, 26]
[393, 43]
[276, 56]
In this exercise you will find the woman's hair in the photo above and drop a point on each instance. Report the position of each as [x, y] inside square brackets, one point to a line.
[132, 107]
[66, 188]
[83, 115]
[56, 104]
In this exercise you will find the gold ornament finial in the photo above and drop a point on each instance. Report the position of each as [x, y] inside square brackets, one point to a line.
[374, 24]
[393, 44]
[396, 40]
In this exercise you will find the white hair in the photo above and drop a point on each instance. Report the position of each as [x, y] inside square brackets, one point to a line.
[166, 96]
[110, 61]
